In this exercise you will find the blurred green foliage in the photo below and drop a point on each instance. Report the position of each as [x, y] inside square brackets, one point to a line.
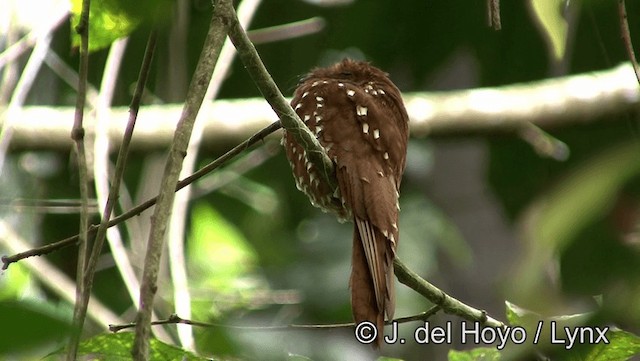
[117, 347]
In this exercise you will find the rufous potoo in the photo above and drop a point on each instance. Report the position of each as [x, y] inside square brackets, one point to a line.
[359, 118]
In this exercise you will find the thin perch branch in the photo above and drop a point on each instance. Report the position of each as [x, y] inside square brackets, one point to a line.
[175, 319]
[407, 277]
[438, 297]
[288, 117]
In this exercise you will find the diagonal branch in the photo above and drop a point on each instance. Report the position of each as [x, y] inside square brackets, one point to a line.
[193, 102]
[288, 117]
[220, 161]
[440, 298]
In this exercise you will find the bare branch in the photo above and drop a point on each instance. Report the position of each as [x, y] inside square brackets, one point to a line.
[288, 117]
[448, 304]
[77, 135]
[175, 319]
[625, 34]
[195, 96]
[549, 104]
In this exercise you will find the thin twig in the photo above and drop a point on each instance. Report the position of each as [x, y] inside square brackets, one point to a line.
[626, 37]
[288, 31]
[175, 241]
[120, 166]
[77, 134]
[102, 164]
[544, 143]
[195, 96]
[493, 14]
[438, 297]
[261, 77]
[175, 319]
[220, 161]
[55, 280]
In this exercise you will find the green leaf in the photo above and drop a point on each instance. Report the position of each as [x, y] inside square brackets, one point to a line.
[476, 354]
[117, 346]
[15, 284]
[28, 325]
[622, 346]
[107, 23]
[552, 23]
[110, 20]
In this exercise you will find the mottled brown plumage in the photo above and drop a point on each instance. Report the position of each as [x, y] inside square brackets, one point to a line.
[358, 116]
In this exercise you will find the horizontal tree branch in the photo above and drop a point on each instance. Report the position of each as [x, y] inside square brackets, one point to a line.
[549, 104]
[175, 319]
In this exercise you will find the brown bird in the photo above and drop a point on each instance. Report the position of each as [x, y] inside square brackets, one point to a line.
[358, 116]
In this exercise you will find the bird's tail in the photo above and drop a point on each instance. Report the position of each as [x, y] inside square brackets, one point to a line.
[372, 290]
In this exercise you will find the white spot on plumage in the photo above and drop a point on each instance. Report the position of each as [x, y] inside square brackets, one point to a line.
[380, 173]
[305, 94]
[381, 92]
[385, 155]
[306, 118]
[374, 92]
[351, 92]
[319, 105]
[385, 233]
[318, 118]
[340, 85]
[394, 225]
[318, 129]
[376, 133]
[365, 128]
[319, 99]
[293, 149]
[361, 111]
[315, 83]
[298, 106]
